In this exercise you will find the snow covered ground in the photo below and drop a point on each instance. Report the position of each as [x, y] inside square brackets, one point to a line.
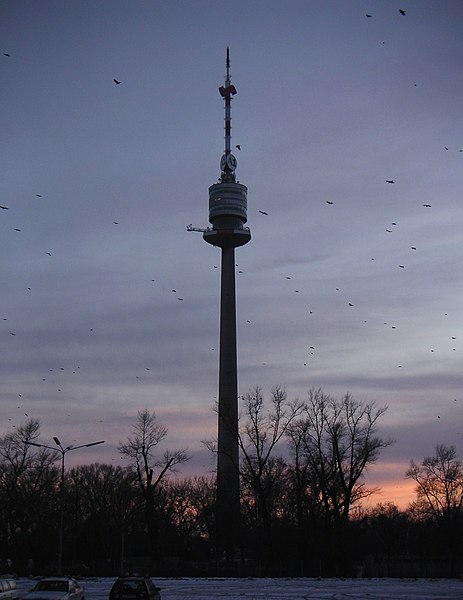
[286, 589]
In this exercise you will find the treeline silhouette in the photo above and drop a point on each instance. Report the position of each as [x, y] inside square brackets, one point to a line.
[302, 469]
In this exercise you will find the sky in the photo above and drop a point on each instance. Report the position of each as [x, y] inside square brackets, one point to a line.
[109, 305]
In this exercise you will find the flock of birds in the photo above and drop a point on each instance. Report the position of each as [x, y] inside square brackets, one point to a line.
[57, 374]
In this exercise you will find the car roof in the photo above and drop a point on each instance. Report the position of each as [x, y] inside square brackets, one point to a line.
[56, 579]
[133, 577]
[59, 578]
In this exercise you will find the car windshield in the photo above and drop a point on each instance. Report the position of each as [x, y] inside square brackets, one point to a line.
[130, 586]
[51, 586]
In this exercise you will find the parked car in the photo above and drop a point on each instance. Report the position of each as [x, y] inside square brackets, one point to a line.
[8, 589]
[134, 588]
[56, 588]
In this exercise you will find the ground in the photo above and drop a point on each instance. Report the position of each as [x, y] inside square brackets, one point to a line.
[286, 589]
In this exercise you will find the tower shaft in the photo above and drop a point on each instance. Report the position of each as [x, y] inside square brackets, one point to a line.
[228, 479]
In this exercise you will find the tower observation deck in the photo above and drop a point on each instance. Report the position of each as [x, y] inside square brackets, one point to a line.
[228, 215]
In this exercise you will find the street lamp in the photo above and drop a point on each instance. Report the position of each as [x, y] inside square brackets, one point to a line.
[63, 452]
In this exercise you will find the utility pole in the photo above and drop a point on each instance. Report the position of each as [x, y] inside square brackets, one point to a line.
[63, 452]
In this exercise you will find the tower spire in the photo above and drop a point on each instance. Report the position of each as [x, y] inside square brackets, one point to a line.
[227, 66]
[228, 161]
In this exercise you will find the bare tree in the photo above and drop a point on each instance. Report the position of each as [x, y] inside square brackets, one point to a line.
[189, 504]
[439, 491]
[103, 502]
[262, 472]
[340, 442]
[27, 484]
[303, 497]
[439, 480]
[140, 449]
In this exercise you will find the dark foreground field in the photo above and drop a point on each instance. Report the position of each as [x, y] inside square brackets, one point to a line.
[286, 589]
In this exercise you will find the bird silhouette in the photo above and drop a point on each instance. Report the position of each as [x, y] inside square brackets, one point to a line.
[6, 54]
[262, 212]
[427, 205]
[16, 229]
[389, 181]
[329, 202]
[48, 253]
[402, 12]
[4, 207]
[238, 146]
[39, 195]
[368, 16]
[350, 304]
[117, 82]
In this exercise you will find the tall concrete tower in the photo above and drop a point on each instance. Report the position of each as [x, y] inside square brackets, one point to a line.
[227, 215]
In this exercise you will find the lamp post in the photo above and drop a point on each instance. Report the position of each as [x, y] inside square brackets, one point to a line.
[63, 452]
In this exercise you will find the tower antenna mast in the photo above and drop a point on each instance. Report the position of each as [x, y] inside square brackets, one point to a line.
[227, 91]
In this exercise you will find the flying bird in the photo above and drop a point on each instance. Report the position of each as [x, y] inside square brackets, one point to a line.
[329, 202]
[368, 16]
[6, 54]
[48, 253]
[427, 205]
[262, 212]
[16, 229]
[238, 146]
[413, 247]
[4, 207]
[350, 304]
[117, 82]
[389, 181]
[402, 12]
[38, 195]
